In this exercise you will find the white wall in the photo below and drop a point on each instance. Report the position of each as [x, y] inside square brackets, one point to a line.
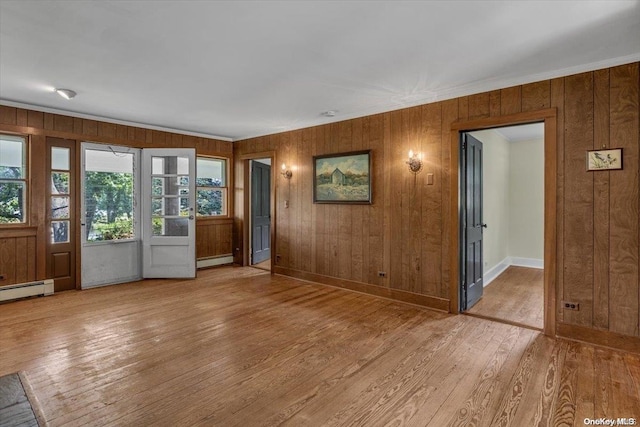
[526, 199]
[513, 202]
[495, 206]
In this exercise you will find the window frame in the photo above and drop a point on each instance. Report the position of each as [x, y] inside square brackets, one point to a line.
[225, 188]
[26, 180]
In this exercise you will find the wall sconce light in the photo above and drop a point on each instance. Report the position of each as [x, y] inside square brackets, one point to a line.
[286, 172]
[414, 162]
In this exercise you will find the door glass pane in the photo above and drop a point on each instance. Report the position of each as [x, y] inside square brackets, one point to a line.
[170, 226]
[157, 165]
[60, 158]
[59, 231]
[60, 207]
[183, 165]
[59, 182]
[108, 195]
[169, 165]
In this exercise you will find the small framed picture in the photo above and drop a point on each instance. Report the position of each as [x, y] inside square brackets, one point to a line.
[598, 160]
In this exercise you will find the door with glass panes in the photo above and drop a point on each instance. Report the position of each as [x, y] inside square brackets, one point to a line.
[60, 213]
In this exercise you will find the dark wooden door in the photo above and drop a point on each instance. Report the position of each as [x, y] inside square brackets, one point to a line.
[260, 212]
[61, 213]
[471, 221]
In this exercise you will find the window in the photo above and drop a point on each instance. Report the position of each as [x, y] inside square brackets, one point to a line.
[108, 195]
[211, 186]
[13, 179]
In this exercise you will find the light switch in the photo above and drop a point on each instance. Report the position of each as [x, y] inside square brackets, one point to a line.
[429, 179]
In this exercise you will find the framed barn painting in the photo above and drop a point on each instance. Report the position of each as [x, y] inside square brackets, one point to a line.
[342, 178]
[598, 160]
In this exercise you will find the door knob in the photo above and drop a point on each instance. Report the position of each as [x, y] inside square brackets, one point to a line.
[190, 216]
[483, 225]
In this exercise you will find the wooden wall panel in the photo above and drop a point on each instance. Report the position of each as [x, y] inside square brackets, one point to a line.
[623, 276]
[557, 102]
[17, 257]
[511, 100]
[8, 257]
[214, 238]
[536, 96]
[578, 198]
[479, 106]
[405, 231]
[601, 180]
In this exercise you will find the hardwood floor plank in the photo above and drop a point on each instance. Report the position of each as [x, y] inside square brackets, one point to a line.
[241, 347]
[516, 295]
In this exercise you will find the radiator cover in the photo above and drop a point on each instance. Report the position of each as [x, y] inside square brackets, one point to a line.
[23, 290]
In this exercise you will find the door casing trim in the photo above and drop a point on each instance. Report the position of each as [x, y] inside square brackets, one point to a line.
[549, 117]
[246, 205]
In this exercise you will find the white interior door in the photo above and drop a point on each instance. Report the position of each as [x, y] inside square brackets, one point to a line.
[168, 212]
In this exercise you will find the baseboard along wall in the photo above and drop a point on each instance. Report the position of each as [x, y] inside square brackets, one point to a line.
[490, 275]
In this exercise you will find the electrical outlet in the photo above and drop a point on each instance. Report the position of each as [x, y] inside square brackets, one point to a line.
[277, 259]
[2, 277]
[568, 305]
[382, 274]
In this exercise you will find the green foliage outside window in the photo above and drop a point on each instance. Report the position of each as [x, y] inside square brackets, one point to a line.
[109, 206]
[211, 188]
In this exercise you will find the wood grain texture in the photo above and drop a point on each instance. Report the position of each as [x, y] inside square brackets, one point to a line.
[511, 100]
[623, 275]
[557, 102]
[536, 96]
[240, 347]
[578, 250]
[214, 238]
[601, 204]
[517, 295]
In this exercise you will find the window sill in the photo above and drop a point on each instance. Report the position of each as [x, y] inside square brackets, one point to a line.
[17, 230]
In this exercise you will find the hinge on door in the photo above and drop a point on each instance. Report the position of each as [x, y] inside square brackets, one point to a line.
[464, 145]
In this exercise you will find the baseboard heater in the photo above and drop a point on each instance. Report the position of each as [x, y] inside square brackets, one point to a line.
[23, 290]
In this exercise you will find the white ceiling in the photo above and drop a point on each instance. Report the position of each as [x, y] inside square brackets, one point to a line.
[237, 69]
[522, 132]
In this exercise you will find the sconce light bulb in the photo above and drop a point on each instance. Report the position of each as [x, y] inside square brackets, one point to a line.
[284, 167]
[410, 153]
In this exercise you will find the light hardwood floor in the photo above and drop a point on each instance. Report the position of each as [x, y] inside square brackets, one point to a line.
[239, 347]
[264, 265]
[517, 295]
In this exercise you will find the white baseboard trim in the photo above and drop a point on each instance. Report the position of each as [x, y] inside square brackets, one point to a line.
[499, 268]
[495, 271]
[211, 262]
[527, 262]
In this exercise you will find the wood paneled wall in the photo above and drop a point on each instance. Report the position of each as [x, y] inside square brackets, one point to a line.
[404, 231]
[214, 238]
[40, 125]
[17, 260]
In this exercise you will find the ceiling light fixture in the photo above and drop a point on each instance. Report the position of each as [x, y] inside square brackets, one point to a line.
[66, 93]
[330, 113]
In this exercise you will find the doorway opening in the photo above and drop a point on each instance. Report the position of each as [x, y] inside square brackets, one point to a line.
[260, 213]
[137, 214]
[502, 209]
